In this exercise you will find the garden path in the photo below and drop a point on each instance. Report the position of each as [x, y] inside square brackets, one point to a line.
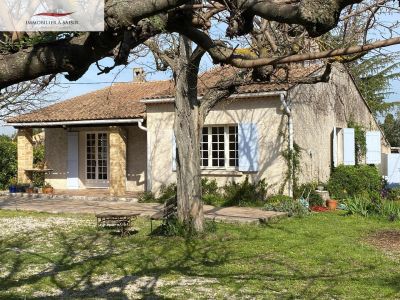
[66, 205]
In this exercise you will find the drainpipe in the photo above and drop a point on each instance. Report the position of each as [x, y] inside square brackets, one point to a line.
[283, 98]
[140, 124]
[148, 165]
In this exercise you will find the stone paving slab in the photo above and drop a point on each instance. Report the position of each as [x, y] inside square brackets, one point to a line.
[63, 196]
[68, 205]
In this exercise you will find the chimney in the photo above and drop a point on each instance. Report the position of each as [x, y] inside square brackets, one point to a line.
[139, 75]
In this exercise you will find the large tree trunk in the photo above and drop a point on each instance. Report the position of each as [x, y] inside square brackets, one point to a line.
[187, 131]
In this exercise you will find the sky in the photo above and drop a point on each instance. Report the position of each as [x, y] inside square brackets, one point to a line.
[90, 81]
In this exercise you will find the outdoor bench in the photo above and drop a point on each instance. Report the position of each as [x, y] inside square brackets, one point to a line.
[167, 212]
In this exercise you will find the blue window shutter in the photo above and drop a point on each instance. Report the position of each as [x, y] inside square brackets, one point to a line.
[248, 147]
[173, 152]
[373, 139]
[349, 151]
[72, 161]
[334, 148]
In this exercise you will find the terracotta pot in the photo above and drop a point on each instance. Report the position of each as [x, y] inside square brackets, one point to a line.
[29, 190]
[332, 204]
[47, 190]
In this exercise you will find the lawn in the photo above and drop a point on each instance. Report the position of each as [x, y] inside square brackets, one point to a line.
[323, 256]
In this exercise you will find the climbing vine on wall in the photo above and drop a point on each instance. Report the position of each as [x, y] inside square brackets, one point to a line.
[360, 140]
[292, 158]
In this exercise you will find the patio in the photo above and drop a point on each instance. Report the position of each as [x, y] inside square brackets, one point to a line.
[65, 204]
[77, 194]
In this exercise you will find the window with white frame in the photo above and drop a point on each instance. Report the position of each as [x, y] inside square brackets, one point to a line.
[219, 147]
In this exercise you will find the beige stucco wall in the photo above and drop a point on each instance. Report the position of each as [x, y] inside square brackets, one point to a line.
[265, 112]
[316, 110]
[56, 145]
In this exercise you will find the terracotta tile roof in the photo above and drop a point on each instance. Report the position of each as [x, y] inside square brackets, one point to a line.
[119, 101]
[279, 82]
[122, 101]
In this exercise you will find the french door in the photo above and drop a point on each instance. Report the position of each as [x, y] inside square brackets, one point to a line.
[97, 160]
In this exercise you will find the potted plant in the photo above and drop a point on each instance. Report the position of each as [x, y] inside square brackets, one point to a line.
[331, 204]
[29, 189]
[47, 188]
[13, 185]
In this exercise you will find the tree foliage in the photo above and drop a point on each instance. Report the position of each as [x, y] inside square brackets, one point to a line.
[8, 161]
[130, 23]
[374, 75]
[391, 127]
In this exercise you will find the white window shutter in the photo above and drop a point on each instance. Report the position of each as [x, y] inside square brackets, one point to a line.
[173, 152]
[373, 139]
[248, 147]
[349, 151]
[72, 160]
[334, 148]
[393, 167]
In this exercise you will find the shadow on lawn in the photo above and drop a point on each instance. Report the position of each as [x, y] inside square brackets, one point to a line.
[78, 269]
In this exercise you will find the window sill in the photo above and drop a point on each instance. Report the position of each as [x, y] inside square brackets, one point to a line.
[221, 172]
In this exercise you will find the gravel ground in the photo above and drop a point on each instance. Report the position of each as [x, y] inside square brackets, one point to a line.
[23, 225]
[41, 231]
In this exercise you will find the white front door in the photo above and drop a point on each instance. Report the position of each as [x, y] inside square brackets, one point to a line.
[97, 160]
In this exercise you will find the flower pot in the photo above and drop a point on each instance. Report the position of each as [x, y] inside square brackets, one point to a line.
[47, 190]
[332, 204]
[29, 190]
[12, 189]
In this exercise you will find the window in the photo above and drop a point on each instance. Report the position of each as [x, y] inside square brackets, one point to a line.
[219, 147]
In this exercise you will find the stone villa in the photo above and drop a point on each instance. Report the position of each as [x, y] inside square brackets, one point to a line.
[121, 138]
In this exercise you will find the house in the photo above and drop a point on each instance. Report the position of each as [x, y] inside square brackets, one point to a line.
[121, 138]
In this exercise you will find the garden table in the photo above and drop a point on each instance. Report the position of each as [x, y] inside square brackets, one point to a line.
[122, 221]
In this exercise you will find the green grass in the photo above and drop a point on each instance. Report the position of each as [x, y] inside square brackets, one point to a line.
[323, 256]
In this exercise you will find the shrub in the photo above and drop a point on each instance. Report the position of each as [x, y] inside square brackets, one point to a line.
[173, 227]
[278, 199]
[211, 193]
[147, 197]
[8, 161]
[214, 199]
[167, 192]
[309, 190]
[287, 204]
[245, 193]
[209, 187]
[360, 205]
[390, 210]
[350, 181]
[232, 194]
[393, 194]
[364, 206]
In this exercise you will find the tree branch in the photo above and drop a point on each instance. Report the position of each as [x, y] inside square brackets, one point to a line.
[222, 90]
[222, 54]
